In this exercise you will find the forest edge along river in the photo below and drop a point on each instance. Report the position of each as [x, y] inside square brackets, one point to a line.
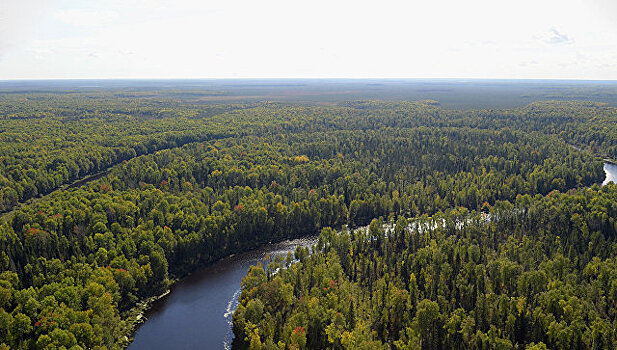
[197, 313]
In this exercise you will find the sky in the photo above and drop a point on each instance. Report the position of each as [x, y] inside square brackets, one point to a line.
[524, 39]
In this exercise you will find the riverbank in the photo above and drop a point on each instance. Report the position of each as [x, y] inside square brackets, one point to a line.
[135, 317]
[197, 312]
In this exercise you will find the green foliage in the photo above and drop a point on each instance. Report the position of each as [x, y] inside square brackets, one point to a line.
[187, 184]
[456, 282]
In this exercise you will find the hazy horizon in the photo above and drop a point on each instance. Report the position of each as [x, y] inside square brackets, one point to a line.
[450, 93]
[427, 79]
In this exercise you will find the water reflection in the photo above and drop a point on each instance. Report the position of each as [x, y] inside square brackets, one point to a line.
[611, 173]
[197, 313]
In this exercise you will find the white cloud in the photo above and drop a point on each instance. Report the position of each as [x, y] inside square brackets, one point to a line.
[555, 37]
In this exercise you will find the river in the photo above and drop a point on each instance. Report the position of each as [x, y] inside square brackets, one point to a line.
[197, 312]
[611, 173]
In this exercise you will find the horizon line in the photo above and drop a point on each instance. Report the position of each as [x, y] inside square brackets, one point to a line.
[303, 78]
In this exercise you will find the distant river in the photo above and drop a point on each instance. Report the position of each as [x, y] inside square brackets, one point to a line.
[611, 173]
[197, 312]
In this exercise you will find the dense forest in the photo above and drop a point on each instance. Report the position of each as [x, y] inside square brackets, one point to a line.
[50, 140]
[536, 273]
[186, 184]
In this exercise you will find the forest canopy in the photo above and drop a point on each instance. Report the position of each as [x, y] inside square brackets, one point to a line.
[536, 273]
[184, 184]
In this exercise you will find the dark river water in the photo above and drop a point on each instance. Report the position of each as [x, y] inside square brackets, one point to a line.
[197, 312]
